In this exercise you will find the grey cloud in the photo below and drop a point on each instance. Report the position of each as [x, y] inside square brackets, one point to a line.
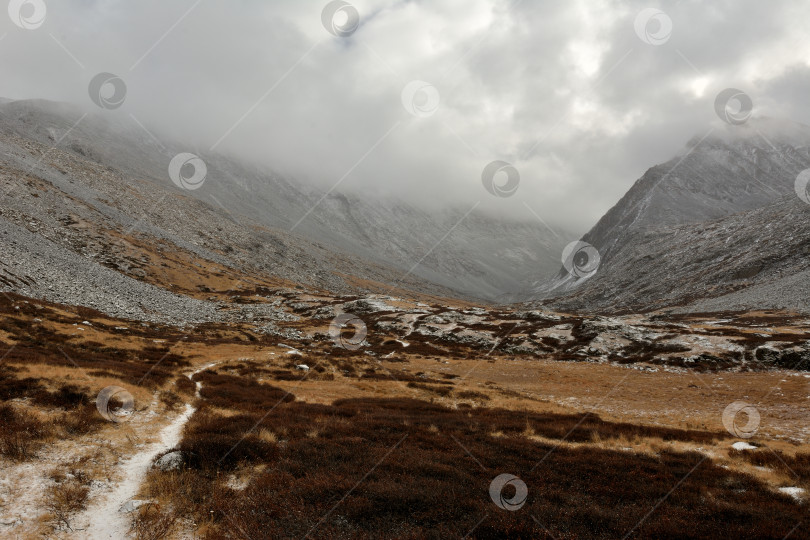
[563, 90]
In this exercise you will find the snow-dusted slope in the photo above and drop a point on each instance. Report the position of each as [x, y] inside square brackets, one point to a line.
[731, 170]
[720, 217]
[479, 256]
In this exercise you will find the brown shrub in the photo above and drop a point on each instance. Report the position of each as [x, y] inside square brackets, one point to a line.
[82, 421]
[171, 400]
[228, 391]
[797, 466]
[67, 397]
[439, 390]
[37, 344]
[211, 442]
[65, 499]
[472, 394]
[391, 467]
[186, 489]
[185, 386]
[152, 523]
[403, 376]
[19, 435]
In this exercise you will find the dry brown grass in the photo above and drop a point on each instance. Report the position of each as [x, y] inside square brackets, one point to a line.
[152, 522]
[507, 411]
[267, 436]
[66, 499]
[51, 376]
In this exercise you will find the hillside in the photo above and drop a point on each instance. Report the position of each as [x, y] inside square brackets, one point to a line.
[458, 250]
[717, 227]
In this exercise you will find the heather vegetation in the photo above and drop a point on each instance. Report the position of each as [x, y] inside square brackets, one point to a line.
[422, 470]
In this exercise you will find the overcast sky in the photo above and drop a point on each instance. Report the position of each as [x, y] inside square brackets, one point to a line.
[580, 96]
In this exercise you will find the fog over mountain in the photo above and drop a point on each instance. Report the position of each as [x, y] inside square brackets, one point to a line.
[567, 92]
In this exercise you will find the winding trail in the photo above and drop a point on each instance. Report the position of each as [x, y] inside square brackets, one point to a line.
[106, 520]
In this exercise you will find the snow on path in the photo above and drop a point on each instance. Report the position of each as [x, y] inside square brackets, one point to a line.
[106, 519]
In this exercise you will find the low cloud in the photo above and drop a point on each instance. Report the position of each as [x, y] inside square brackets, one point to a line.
[567, 92]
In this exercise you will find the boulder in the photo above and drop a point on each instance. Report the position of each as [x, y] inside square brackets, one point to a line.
[535, 315]
[795, 358]
[133, 504]
[170, 462]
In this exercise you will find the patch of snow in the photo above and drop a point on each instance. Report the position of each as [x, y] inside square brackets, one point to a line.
[795, 492]
[237, 484]
[742, 445]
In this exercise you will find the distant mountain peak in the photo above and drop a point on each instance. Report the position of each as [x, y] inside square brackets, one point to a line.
[720, 174]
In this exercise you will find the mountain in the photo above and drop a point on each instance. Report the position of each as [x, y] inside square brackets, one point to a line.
[117, 172]
[718, 226]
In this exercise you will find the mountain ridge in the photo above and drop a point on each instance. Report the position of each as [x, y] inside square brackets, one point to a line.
[708, 193]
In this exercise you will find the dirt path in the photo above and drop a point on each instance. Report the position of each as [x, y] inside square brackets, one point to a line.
[106, 520]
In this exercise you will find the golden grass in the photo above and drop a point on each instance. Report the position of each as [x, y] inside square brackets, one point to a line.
[55, 376]
[267, 436]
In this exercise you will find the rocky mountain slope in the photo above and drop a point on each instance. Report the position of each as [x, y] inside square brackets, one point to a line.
[717, 227]
[470, 253]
